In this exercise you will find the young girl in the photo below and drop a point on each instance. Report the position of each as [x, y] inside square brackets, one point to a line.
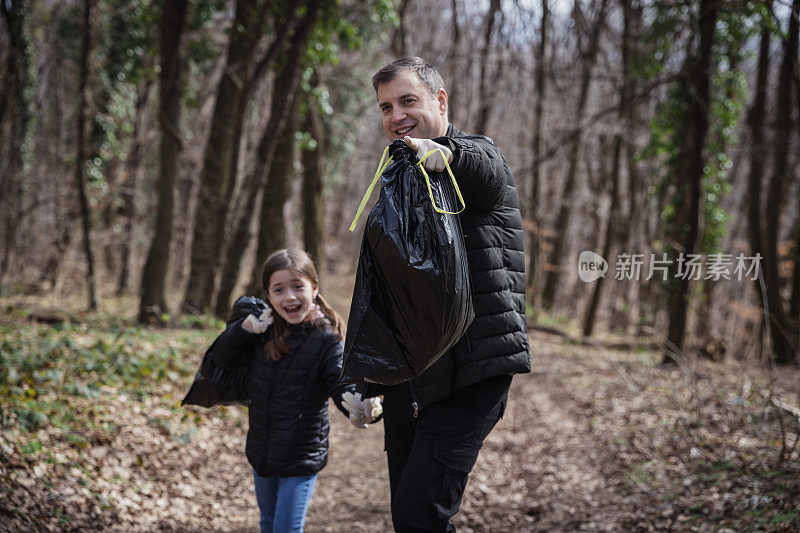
[294, 350]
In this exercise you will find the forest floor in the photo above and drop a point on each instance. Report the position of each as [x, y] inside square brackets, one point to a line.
[94, 438]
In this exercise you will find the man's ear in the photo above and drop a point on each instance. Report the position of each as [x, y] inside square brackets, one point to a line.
[442, 100]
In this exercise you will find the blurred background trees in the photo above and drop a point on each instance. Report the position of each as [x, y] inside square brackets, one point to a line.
[159, 150]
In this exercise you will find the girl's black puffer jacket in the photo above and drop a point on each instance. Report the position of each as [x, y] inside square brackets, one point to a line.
[288, 434]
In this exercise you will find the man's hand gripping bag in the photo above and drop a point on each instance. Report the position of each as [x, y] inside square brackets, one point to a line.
[412, 299]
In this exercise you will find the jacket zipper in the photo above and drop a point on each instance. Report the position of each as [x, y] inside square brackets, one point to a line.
[272, 384]
[414, 403]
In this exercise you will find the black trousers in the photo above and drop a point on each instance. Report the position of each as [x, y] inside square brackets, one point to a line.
[431, 456]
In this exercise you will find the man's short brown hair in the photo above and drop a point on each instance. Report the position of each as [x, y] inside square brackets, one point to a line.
[429, 74]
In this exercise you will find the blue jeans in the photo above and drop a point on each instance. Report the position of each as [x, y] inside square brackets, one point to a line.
[283, 501]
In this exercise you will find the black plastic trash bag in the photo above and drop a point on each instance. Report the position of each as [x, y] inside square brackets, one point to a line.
[412, 299]
[227, 386]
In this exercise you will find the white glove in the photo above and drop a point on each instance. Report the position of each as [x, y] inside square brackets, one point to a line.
[362, 411]
[433, 162]
[255, 325]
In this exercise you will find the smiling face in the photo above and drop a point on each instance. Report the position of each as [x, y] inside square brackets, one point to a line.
[409, 108]
[292, 296]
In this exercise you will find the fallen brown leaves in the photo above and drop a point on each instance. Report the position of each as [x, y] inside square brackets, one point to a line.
[592, 440]
[605, 441]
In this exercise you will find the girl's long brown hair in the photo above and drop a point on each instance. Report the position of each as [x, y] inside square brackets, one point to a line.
[299, 262]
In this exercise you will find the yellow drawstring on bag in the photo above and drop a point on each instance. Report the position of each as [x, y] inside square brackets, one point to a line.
[383, 166]
[452, 178]
[378, 173]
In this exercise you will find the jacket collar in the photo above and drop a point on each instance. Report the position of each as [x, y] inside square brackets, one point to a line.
[452, 131]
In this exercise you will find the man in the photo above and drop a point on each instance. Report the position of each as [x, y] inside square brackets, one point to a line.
[436, 423]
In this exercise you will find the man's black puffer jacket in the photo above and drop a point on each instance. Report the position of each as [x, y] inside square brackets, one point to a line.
[288, 433]
[496, 343]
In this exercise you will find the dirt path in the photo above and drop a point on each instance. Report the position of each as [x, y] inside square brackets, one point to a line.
[601, 441]
[542, 469]
[538, 470]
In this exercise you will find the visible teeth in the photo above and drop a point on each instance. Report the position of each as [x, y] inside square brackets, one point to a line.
[405, 130]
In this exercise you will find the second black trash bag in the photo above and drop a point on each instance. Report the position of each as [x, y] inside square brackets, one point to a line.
[412, 299]
[213, 384]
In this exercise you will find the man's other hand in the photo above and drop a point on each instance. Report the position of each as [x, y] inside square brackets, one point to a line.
[362, 411]
[433, 162]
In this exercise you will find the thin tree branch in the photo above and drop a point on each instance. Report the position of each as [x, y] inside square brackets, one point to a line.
[572, 134]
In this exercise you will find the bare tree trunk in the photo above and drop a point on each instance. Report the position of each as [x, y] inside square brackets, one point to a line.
[64, 211]
[127, 210]
[399, 35]
[611, 224]
[221, 157]
[632, 302]
[153, 303]
[13, 14]
[484, 97]
[565, 211]
[780, 328]
[14, 112]
[80, 165]
[755, 121]
[271, 228]
[100, 94]
[286, 85]
[704, 315]
[538, 118]
[313, 167]
[794, 300]
[110, 212]
[54, 144]
[452, 82]
[689, 173]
